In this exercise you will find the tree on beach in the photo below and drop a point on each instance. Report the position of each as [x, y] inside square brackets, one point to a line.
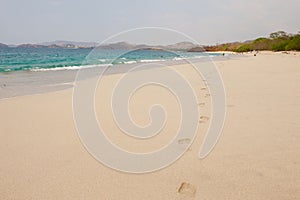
[277, 41]
[294, 44]
[278, 34]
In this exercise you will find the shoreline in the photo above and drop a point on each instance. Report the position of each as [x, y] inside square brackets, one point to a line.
[21, 83]
[24, 83]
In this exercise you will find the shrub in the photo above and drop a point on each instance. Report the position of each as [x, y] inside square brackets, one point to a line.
[280, 45]
[261, 39]
[294, 44]
[244, 48]
[278, 41]
[262, 44]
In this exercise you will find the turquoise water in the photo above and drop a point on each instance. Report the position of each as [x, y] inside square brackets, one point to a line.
[44, 59]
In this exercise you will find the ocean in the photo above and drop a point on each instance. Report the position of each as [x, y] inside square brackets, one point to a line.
[44, 59]
[25, 71]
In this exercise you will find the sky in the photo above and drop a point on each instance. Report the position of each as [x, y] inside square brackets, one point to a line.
[207, 22]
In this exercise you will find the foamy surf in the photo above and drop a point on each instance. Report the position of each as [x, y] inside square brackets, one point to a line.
[146, 61]
[32, 59]
[69, 68]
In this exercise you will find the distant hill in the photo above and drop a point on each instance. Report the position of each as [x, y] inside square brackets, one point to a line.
[69, 44]
[118, 45]
[196, 49]
[183, 46]
[277, 41]
[31, 46]
[3, 45]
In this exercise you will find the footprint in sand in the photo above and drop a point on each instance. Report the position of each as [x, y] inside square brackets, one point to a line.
[230, 106]
[203, 119]
[204, 88]
[184, 141]
[187, 190]
[207, 95]
[201, 104]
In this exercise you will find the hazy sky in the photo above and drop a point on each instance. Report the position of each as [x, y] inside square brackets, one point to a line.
[209, 22]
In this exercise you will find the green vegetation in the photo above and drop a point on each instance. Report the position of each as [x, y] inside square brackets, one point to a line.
[294, 44]
[244, 48]
[280, 45]
[277, 41]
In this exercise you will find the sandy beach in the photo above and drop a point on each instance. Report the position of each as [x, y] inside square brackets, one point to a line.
[257, 156]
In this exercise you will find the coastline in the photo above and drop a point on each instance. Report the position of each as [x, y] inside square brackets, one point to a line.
[19, 83]
[257, 156]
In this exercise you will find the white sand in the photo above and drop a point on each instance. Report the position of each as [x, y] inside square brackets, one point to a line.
[257, 156]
